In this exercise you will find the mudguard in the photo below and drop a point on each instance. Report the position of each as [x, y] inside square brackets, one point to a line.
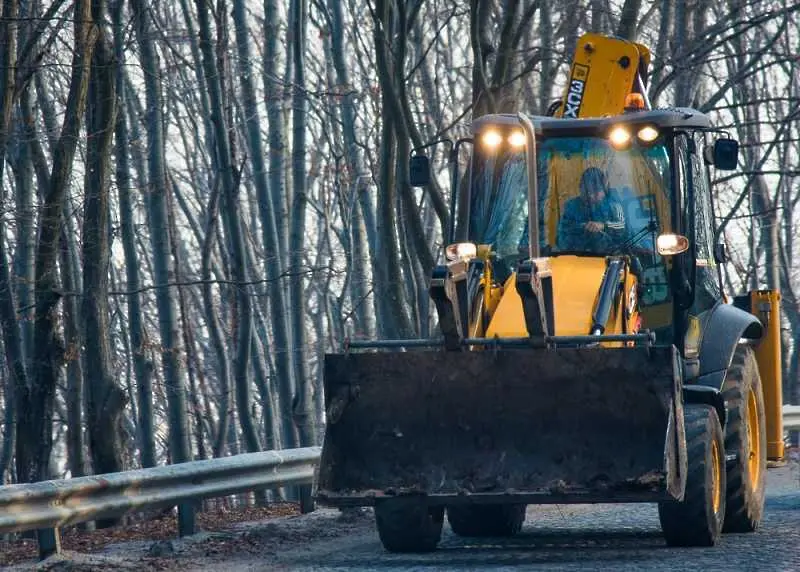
[726, 326]
[511, 425]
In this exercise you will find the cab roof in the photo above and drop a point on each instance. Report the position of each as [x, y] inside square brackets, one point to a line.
[673, 118]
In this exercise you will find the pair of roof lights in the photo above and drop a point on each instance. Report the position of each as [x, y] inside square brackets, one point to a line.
[492, 139]
[619, 137]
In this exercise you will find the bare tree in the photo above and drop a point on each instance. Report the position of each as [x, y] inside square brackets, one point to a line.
[17, 381]
[106, 400]
[35, 405]
[273, 261]
[141, 365]
[232, 220]
[179, 447]
[302, 401]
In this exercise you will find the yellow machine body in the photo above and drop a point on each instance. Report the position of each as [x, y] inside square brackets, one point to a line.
[576, 283]
[583, 421]
[604, 71]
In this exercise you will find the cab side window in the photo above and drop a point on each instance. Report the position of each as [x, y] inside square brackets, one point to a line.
[707, 289]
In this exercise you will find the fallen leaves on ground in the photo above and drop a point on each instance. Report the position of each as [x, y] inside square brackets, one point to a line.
[160, 528]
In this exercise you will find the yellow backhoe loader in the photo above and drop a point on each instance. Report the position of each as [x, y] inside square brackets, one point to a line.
[588, 352]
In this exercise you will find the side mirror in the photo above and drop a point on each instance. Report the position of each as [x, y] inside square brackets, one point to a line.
[724, 154]
[419, 171]
[721, 255]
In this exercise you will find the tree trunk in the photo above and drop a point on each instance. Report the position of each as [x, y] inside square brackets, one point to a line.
[681, 42]
[273, 94]
[156, 199]
[232, 221]
[302, 402]
[479, 21]
[142, 367]
[75, 398]
[25, 218]
[270, 236]
[362, 220]
[546, 36]
[35, 435]
[70, 279]
[265, 386]
[188, 338]
[17, 384]
[665, 19]
[214, 326]
[393, 318]
[598, 14]
[106, 400]
[199, 73]
[628, 18]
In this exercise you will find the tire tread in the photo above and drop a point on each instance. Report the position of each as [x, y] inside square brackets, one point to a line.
[745, 502]
[691, 522]
[408, 525]
[493, 520]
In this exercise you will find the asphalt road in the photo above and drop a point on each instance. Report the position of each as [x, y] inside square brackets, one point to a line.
[605, 537]
[568, 537]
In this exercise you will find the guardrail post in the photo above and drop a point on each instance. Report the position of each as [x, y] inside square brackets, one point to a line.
[186, 520]
[49, 542]
[306, 500]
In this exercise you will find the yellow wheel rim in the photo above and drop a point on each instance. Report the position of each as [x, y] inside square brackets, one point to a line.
[716, 471]
[753, 439]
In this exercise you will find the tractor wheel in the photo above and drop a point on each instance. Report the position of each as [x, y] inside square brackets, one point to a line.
[745, 443]
[408, 524]
[485, 520]
[697, 519]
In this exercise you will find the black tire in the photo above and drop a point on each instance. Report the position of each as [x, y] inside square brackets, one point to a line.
[486, 520]
[745, 491]
[696, 521]
[408, 524]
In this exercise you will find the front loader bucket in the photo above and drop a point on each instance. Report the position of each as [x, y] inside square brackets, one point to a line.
[512, 425]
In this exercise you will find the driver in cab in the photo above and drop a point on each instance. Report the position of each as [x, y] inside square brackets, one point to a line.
[593, 221]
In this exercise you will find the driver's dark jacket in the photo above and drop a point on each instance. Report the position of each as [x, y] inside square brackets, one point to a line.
[572, 234]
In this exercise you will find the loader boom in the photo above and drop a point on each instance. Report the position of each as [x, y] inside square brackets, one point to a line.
[604, 73]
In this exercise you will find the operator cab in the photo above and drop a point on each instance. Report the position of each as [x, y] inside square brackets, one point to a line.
[603, 189]
[605, 186]
[648, 173]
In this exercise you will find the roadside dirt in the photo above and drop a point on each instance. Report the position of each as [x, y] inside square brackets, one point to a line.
[158, 534]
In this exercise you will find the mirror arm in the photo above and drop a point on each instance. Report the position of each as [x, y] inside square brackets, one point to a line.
[416, 150]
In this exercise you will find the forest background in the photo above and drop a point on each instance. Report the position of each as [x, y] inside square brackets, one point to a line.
[200, 198]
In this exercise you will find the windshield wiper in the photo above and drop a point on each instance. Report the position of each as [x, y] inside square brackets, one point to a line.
[625, 246]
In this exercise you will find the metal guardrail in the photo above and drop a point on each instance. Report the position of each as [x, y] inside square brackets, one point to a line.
[53, 504]
[791, 417]
[48, 505]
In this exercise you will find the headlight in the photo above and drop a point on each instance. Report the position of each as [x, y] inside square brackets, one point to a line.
[671, 244]
[465, 251]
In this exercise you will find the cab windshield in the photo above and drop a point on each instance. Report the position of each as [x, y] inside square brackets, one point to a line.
[623, 196]
[593, 200]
